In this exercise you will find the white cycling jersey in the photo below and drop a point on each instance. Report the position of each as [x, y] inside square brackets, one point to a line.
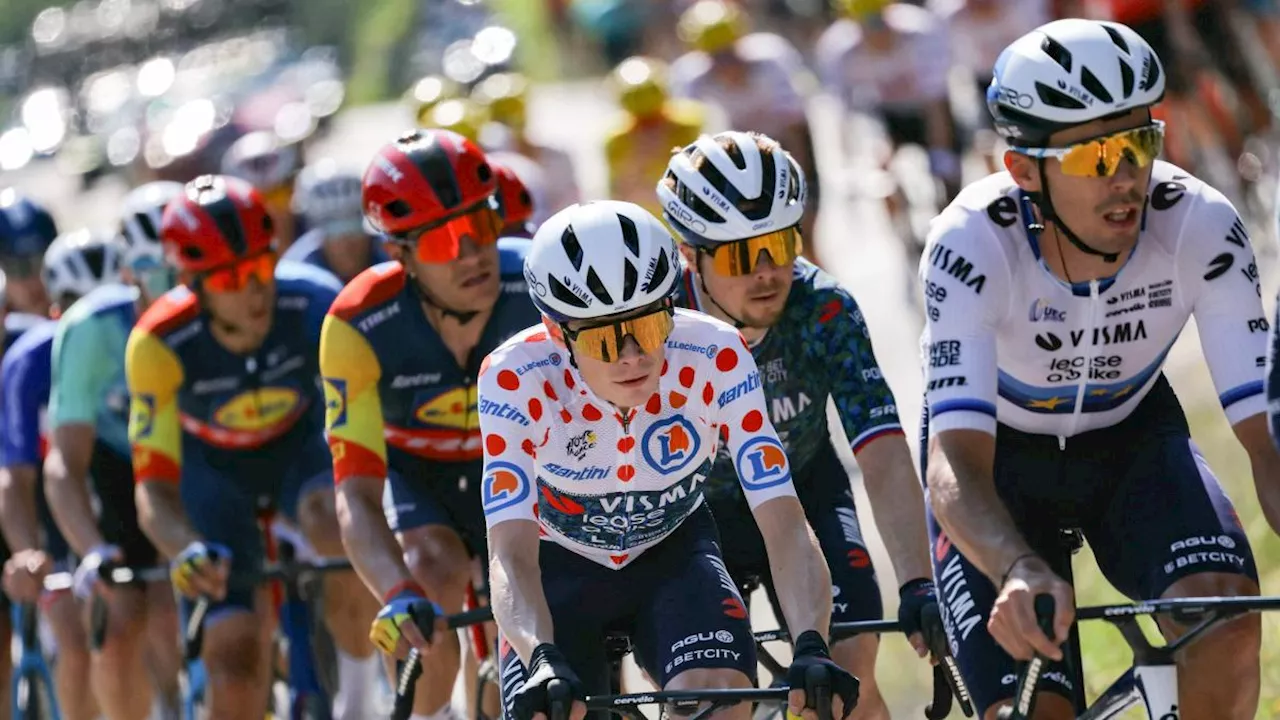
[766, 100]
[1005, 339]
[981, 29]
[609, 486]
[905, 76]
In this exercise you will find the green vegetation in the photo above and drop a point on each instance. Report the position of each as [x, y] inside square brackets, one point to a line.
[380, 29]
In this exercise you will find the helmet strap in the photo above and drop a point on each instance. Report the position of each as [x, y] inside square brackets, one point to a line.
[461, 316]
[702, 283]
[1044, 203]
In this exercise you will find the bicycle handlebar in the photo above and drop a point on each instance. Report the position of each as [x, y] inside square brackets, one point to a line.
[412, 670]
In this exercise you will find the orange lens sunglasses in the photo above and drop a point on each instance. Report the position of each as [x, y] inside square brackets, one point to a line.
[440, 242]
[234, 277]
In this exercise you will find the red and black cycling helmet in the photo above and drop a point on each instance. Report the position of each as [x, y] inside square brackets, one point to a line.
[513, 196]
[216, 221]
[424, 177]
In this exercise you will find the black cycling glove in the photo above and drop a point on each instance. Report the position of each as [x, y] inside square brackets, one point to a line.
[545, 664]
[811, 652]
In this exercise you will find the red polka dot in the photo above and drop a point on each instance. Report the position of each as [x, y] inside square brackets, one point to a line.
[626, 472]
[591, 413]
[708, 393]
[494, 445]
[527, 447]
[550, 391]
[507, 380]
[535, 510]
[665, 365]
[626, 443]
[654, 406]
[568, 379]
[726, 359]
[753, 421]
[676, 399]
[724, 432]
[686, 376]
[566, 416]
[535, 409]
[536, 337]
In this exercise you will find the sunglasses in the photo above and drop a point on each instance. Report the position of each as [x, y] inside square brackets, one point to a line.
[740, 257]
[1101, 157]
[441, 242]
[234, 277]
[604, 342]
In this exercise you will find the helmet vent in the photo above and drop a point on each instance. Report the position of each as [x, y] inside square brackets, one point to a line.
[629, 279]
[695, 203]
[564, 295]
[1126, 79]
[630, 237]
[1094, 85]
[1115, 38]
[398, 208]
[1057, 52]
[484, 172]
[96, 258]
[572, 248]
[660, 272]
[1150, 73]
[1053, 97]
[735, 154]
[597, 288]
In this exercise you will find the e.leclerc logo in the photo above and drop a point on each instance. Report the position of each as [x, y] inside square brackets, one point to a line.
[762, 463]
[505, 484]
[671, 444]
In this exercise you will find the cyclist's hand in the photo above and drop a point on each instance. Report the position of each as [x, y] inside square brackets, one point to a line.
[811, 651]
[1013, 617]
[530, 701]
[408, 620]
[202, 569]
[86, 579]
[919, 618]
[24, 574]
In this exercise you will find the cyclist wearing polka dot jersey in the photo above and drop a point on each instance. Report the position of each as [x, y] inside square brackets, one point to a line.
[600, 427]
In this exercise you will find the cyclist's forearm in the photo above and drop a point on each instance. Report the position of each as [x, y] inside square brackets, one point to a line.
[18, 520]
[897, 502]
[70, 505]
[519, 605]
[375, 554]
[800, 573]
[162, 519]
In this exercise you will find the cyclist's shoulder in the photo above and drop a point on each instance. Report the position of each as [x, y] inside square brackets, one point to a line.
[531, 350]
[511, 254]
[306, 249]
[698, 339]
[171, 312]
[1182, 208]
[99, 303]
[37, 339]
[816, 298]
[16, 324]
[303, 280]
[987, 212]
[371, 290]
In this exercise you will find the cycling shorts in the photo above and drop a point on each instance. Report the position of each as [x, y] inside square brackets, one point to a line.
[112, 476]
[824, 492]
[410, 501]
[224, 492]
[1143, 496]
[676, 602]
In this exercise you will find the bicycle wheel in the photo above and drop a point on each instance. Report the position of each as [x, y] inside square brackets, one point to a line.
[27, 699]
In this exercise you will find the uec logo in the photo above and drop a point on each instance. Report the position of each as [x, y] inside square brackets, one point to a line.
[669, 445]
[762, 463]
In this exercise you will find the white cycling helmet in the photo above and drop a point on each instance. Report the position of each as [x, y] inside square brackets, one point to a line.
[140, 221]
[1069, 72]
[736, 194]
[328, 197]
[263, 160]
[600, 258]
[78, 262]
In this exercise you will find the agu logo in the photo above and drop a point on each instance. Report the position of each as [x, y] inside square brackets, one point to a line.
[335, 402]
[762, 463]
[450, 409]
[257, 409]
[504, 485]
[144, 414]
[671, 444]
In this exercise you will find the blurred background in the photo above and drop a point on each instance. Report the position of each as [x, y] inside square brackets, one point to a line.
[99, 96]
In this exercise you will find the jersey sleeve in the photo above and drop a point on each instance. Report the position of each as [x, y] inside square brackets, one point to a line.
[1273, 377]
[21, 407]
[745, 428]
[155, 375]
[353, 409]
[1216, 256]
[511, 441]
[966, 284]
[844, 352]
[79, 381]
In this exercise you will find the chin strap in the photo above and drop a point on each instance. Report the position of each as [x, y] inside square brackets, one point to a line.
[737, 324]
[1047, 214]
[462, 316]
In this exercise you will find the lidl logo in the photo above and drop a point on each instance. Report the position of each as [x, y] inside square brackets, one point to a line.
[142, 423]
[504, 485]
[669, 445]
[257, 409]
[454, 409]
[335, 402]
[762, 463]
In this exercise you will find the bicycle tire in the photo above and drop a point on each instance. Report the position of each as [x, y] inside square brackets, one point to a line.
[28, 701]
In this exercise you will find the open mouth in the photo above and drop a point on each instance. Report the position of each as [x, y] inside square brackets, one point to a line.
[1122, 218]
[476, 280]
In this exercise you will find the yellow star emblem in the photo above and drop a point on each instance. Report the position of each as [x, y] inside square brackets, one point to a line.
[1049, 404]
[1123, 391]
[1099, 391]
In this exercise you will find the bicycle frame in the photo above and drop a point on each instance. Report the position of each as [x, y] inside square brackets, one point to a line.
[32, 668]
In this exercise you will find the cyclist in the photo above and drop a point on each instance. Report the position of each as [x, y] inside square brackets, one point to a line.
[737, 200]
[327, 198]
[225, 419]
[400, 351]
[74, 265]
[516, 204]
[270, 165]
[552, 179]
[651, 125]
[26, 231]
[1054, 293]
[600, 426]
[88, 419]
[753, 78]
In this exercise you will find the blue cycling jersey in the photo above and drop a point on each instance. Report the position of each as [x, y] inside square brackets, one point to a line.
[25, 378]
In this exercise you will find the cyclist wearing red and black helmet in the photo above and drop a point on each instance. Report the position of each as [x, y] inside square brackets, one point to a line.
[226, 418]
[400, 352]
[514, 200]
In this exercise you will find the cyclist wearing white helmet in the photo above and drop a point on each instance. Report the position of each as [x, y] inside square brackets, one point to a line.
[738, 200]
[270, 165]
[74, 264]
[338, 240]
[1055, 290]
[89, 422]
[600, 427]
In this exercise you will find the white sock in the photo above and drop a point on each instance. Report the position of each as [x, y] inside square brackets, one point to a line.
[356, 684]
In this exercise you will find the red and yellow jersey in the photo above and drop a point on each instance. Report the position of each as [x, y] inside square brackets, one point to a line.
[394, 393]
[637, 151]
[182, 382]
